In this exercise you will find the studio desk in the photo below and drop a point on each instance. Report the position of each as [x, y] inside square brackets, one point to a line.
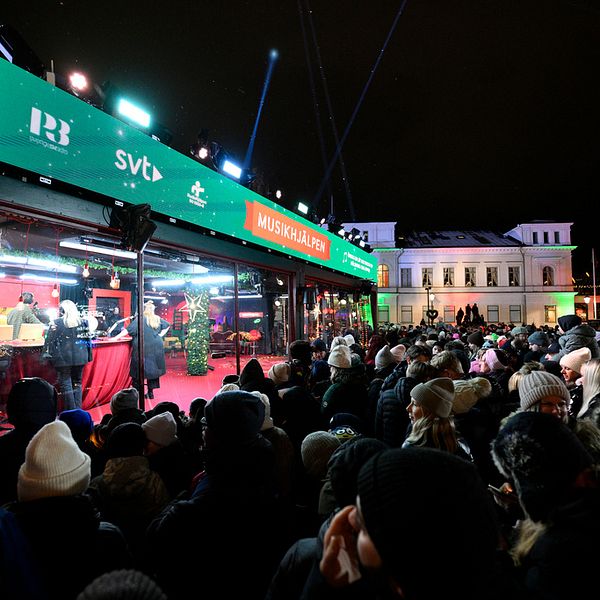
[106, 374]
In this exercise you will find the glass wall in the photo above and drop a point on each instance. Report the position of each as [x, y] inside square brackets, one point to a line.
[213, 315]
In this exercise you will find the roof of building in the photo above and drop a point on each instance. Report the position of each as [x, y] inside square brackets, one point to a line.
[457, 239]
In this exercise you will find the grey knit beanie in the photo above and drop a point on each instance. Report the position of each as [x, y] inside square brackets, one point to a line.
[538, 385]
[436, 396]
[124, 399]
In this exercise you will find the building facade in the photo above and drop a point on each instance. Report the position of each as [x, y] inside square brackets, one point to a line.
[521, 276]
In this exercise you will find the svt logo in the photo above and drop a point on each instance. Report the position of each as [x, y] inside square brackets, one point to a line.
[50, 126]
[126, 160]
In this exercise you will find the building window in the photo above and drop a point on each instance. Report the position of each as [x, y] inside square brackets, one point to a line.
[493, 313]
[514, 276]
[492, 276]
[406, 315]
[383, 276]
[557, 237]
[427, 276]
[470, 279]
[449, 314]
[548, 276]
[514, 313]
[449, 276]
[405, 278]
[535, 237]
[383, 313]
[546, 238]
[550, 313]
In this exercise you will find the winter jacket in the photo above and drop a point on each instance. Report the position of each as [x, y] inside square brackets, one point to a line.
[580, 336]
[68, 346]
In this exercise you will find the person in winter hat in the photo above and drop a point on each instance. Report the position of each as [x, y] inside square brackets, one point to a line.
[124, 408]
[124, 584]
[32, 403]
[161, 430]
[316, 450]
[340, 357]
[540, 391]
[57, 517]
[571, 368]
[420, 482]
[434, 397]
[54, 465]
[280, 373]
[384, 358]
[398, 352]
[467, 392]
[576, 335]
[80, 423]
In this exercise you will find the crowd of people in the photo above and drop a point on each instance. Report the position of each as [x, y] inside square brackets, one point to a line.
[442, 461]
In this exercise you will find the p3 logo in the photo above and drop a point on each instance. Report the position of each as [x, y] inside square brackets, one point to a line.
[56, 130]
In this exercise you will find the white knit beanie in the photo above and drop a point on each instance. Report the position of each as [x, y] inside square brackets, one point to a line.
[435, 395]
[574, 360]
[349, 339]
[538, 385]
[468, 392]
[280, 373]
[384, 358]
[161, 429]
[340, 357]
[54, 465]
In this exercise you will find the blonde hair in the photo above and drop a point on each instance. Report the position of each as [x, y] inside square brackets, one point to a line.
[528, 367]
[434, 432]
[591, 382]
[71, 317]
[152, 319]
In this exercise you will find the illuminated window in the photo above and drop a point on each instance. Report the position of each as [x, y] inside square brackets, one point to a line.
[405, 277]
[548, 276]
[470, 277]
[427, 276]
[550, 313]
[492, 276]
[514, 276]
[383, 276]
[448, 276]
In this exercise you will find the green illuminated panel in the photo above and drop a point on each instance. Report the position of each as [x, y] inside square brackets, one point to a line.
[48, 131]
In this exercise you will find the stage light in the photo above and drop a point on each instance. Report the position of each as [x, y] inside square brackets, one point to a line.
[302, 208]
[133, 113]
[97, 249]
[278, 194]
[78, 82]
[274, 54]
[203, 153]
[231, 169]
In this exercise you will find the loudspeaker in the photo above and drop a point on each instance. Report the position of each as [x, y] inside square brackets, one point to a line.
[135, 225]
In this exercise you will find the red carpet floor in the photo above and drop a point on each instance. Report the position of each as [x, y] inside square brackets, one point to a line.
[179, 387]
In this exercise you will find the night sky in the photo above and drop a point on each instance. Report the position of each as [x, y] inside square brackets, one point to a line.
[479, 114]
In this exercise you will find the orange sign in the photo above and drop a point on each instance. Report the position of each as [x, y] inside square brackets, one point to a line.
[270, 225]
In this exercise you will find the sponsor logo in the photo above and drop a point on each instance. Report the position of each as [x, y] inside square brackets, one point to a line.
[142, 166]
[48, 131]
[194, 195]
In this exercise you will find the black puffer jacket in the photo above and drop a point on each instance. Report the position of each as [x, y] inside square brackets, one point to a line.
[580, 336]
[68, 346]
[391, 418]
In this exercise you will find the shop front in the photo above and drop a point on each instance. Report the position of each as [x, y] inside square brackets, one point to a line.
[234, 275]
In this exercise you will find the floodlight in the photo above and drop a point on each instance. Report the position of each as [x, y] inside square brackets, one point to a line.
[133, 112]
[78, 82]
[278, 194]
[303, 208]
[231, 169]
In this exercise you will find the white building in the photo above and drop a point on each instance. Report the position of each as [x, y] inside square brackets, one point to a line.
[521, 276]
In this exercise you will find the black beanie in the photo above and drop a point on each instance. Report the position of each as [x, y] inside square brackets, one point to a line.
[542, 457]
[476, 338]
[127, 439]
[235, 417]
[567, 322]
[32, 402]
[417, 501]
[252, 376]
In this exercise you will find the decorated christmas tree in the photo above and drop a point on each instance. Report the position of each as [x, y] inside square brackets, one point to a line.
[198, 336]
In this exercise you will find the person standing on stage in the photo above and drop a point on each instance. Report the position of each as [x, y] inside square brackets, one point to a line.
[22, 313]
[155, 329]
[68, 347]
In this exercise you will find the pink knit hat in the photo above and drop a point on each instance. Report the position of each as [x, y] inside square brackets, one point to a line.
[492, 361]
